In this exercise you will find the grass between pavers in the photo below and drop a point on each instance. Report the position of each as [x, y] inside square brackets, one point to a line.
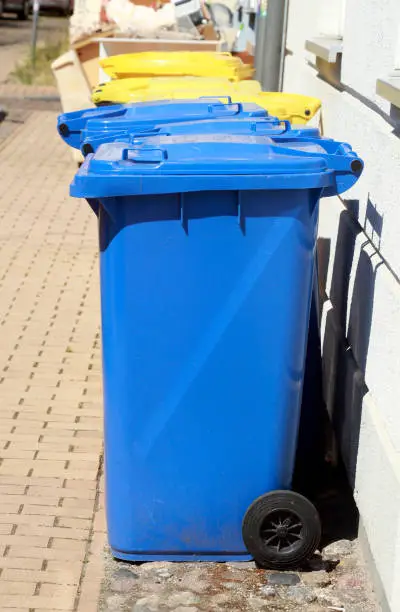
[39, 73]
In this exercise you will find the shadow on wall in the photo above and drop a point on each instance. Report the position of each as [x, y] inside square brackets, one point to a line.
[345, 354]
[395, 117]
[310, 458]
[373, 223]
[344, 358]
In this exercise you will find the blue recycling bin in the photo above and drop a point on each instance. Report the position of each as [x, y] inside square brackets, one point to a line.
[96, 135]
[77, 126]
[206, 261]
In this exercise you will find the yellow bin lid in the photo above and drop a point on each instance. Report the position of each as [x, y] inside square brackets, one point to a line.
[176, 63]
[135, 89]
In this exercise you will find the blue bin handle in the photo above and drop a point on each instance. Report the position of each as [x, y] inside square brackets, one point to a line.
[228, 108]
[233, 108]
[149, 155]
[345, 164]
[286, 127]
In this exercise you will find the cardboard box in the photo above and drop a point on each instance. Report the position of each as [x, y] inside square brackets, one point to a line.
[208, 32]
[87, 50]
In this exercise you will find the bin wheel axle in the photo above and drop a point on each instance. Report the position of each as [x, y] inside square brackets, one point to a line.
[281, 530]
[87, 149]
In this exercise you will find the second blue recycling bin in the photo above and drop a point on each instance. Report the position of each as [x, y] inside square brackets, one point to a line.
[77, 126]
[93, 136]
[207, 256]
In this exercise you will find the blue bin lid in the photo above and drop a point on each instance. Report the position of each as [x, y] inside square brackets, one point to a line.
[147, 114]
[259, 126]
[174, 164]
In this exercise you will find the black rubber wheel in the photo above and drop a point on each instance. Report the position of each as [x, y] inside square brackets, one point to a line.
[281, 530]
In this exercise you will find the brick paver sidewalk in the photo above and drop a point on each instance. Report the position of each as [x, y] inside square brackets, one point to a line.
[51, 537]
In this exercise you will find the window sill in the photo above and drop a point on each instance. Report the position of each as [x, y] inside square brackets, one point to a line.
[389, 89]
[328, 49]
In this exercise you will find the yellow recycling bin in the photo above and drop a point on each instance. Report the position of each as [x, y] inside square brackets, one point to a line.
[176, 63]
[123, 91]
[296, 108]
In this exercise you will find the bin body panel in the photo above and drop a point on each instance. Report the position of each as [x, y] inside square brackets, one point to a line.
[205, 309]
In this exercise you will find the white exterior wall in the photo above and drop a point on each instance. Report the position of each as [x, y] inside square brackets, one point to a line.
[359, 257]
